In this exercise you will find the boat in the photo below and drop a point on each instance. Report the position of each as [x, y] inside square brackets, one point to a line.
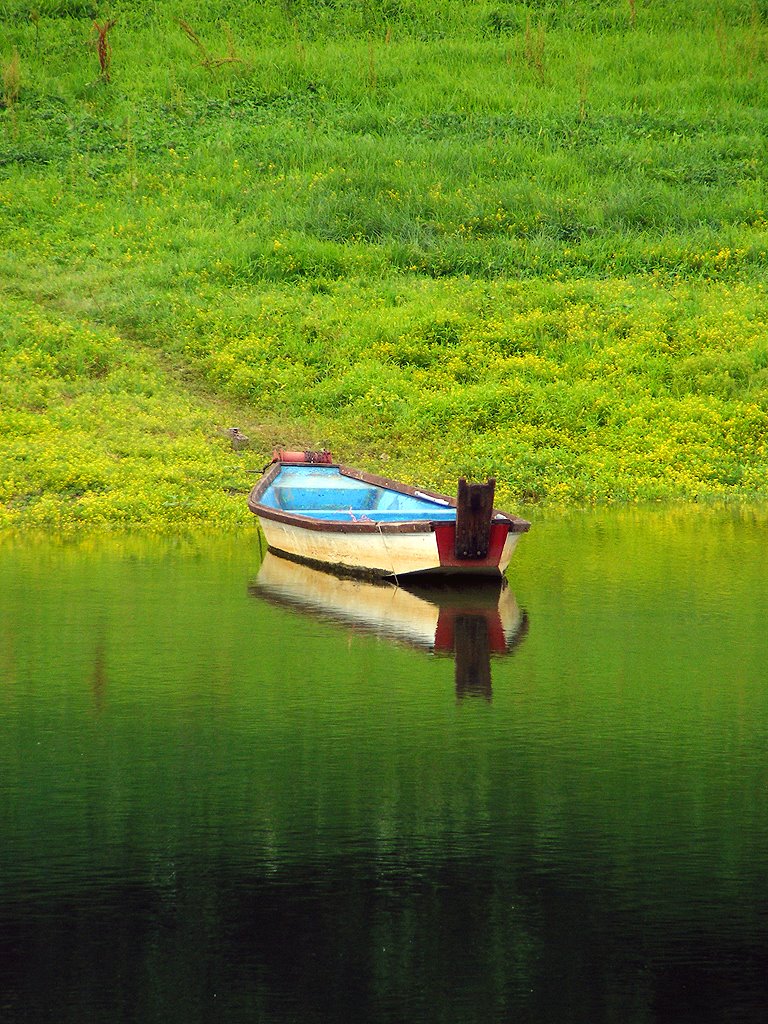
[471, 623]
[314, 510]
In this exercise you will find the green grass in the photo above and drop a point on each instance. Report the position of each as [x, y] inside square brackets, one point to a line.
[97, 433]
[526, 240]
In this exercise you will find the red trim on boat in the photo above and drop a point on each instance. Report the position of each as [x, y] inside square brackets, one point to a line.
[445, 534]
[310, 458]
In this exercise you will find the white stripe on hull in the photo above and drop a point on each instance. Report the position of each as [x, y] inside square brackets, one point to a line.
[381, 554]
[377, 553]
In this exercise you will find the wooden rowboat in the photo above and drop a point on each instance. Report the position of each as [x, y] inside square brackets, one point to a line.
[317, 511]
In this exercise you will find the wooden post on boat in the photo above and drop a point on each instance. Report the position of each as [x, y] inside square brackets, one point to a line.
[474, 509]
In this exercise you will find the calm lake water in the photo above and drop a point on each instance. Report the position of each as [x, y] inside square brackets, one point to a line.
[229, 794]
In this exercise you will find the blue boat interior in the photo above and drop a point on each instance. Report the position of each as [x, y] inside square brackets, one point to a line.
[322, 492]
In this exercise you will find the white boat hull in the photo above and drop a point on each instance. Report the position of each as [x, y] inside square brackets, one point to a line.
[379, 553]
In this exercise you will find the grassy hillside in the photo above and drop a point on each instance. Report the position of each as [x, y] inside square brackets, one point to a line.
[526, 239]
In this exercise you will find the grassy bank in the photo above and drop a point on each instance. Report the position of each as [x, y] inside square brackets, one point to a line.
[97, 432]
[526, 240]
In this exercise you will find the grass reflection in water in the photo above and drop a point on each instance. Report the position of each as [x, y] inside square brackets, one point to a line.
[217, 805]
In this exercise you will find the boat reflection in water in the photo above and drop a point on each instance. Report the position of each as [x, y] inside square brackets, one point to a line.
[472, 622]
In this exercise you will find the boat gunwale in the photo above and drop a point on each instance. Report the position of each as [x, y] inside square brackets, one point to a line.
[514, 523]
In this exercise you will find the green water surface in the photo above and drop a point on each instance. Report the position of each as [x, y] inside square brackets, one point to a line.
[217, 807]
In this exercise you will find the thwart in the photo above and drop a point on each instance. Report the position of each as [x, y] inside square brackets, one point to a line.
[317, 511]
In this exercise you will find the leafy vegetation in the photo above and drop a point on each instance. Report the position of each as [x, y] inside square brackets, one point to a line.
[95, 433]
[520, 239]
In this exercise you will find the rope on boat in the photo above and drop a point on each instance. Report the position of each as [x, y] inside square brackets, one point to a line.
[386, 548]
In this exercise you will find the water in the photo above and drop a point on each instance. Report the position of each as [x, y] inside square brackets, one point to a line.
[234, 796]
